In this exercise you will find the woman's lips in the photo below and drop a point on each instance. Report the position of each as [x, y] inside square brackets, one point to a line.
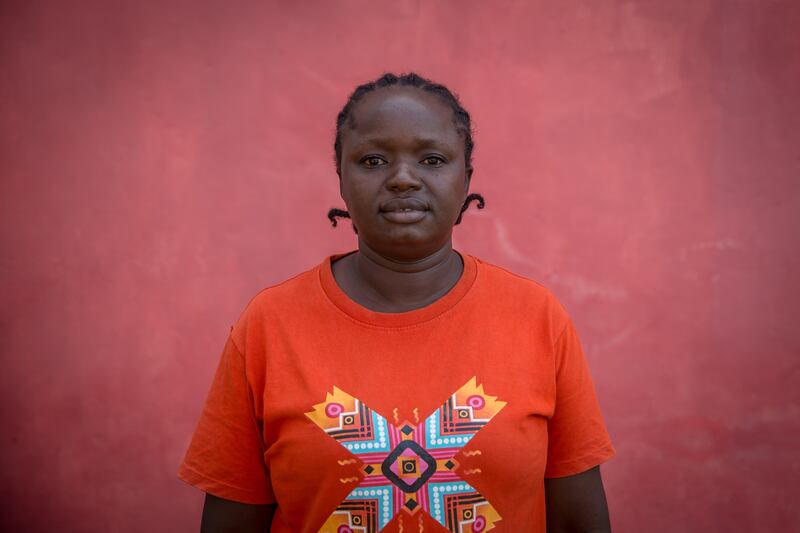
[406, 216]
[404, 210]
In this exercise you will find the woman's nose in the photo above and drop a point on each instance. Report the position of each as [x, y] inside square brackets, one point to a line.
[403, 179]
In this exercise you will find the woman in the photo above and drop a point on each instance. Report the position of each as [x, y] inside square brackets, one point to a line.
[403, 386]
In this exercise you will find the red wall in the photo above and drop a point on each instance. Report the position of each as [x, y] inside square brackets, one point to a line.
[163, 161]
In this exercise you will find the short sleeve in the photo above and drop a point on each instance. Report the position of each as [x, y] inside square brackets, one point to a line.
[226, 454]
[577, 436]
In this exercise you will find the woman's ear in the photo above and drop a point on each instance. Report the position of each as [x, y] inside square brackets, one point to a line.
[468, 176]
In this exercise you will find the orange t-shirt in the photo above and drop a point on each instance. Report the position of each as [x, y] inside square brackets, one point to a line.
[445, 418]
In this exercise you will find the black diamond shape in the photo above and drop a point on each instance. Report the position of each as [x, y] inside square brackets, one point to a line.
[449, 464]
[368, 469]
[386, 466]
[412, 504]
[407, 429]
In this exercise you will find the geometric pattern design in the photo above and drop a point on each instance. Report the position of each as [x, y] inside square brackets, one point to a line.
[409, 468]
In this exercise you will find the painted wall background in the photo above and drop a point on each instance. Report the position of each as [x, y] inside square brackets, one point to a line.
[163, 161]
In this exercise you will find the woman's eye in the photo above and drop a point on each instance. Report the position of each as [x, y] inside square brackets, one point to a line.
[372, 161]
[433, 160]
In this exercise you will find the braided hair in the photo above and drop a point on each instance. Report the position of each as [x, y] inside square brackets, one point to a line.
[460, 117]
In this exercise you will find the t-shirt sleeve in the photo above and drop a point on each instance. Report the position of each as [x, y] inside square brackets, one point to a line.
[577, 436]
[226, 454]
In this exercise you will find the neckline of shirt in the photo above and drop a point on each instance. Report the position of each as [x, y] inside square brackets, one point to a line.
[358, 312]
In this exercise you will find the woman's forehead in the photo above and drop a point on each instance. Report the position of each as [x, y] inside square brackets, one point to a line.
[402, 111]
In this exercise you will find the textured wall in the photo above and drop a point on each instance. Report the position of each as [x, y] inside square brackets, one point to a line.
[162, 161]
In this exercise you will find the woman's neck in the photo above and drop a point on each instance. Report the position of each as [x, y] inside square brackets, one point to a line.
[383, 284]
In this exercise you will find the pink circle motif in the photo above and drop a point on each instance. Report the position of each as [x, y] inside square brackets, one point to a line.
[344, 529]
[333, 410]
[479, 524]
[476, 402]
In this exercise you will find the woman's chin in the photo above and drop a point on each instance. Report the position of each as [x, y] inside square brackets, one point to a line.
[405, 243]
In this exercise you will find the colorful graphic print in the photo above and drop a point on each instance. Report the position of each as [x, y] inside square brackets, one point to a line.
[409, 468]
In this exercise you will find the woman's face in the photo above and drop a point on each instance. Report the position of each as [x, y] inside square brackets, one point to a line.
[403, 174]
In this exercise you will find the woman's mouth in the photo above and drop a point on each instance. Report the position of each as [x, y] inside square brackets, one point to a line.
[404, 210]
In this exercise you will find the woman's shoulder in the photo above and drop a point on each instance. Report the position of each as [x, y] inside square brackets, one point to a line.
[503, 277]
[291, 291]
[288, 289]
[517, 290]
[282, 299]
